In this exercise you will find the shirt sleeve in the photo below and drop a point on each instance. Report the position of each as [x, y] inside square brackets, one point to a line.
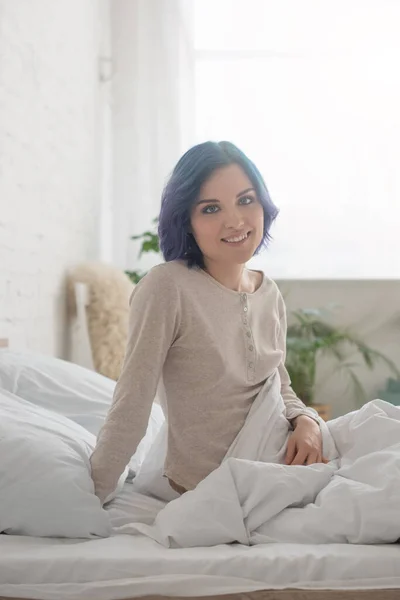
[294, 406]
[153, 324]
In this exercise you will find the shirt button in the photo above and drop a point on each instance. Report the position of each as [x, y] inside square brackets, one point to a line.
[244, 296]
[245, 321]
[248, 334]
[251, 348]
[245, 309]
[250, 365]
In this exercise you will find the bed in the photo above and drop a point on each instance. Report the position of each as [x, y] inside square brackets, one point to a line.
[127, 567]
[135, 566]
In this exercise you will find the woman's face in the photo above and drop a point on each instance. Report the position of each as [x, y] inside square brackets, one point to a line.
[228, 220]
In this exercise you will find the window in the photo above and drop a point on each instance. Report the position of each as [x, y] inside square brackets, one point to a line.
[310, 91]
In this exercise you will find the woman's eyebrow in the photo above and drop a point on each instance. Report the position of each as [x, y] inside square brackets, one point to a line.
[245, 192]
[206, 201]
[237, 196]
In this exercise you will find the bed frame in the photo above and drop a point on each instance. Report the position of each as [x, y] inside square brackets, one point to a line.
[300, 595]
[387, 594]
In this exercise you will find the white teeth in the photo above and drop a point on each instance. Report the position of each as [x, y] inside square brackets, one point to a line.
[236, 239]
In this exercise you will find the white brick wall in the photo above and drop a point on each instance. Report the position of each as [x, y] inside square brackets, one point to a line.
[50, 167]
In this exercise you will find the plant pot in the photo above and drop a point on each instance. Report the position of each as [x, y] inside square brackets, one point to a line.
[324, 410]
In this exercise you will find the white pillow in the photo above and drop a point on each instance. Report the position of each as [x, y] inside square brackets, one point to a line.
[82, 395]
[45, 483]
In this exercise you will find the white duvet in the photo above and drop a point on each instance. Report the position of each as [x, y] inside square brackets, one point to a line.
[253, 498]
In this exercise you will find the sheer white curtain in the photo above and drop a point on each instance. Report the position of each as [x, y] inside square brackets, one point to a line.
[153, 109]
[311, 91]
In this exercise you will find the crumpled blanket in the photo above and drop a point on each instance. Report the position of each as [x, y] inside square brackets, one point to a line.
[254, 498]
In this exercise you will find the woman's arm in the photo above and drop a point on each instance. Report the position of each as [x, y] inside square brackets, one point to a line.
[153, 318]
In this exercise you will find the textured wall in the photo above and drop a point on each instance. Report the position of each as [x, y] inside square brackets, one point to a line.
[50, 108]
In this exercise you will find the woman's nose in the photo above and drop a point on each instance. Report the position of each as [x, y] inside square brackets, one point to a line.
[234, 219]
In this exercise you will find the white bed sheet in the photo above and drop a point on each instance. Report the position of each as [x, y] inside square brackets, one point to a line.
[127, 566]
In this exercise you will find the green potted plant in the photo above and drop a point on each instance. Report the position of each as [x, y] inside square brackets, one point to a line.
[150, 243]
[309, 338]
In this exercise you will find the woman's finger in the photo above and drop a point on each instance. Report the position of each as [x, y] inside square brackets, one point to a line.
[312, 458]
[300, 457]
[291, 450]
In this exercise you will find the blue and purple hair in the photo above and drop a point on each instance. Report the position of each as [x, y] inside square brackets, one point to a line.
[182, 191]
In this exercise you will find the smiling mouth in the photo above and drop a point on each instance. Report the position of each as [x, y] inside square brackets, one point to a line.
[237, 239]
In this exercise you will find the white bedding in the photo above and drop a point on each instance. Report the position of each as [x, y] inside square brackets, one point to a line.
[81, 395]
[50, 413]
[45, 483]
[125, 566]
[253, 498]
[129, 566]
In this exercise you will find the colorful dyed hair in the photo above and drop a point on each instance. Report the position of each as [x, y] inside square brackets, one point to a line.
[182, 191]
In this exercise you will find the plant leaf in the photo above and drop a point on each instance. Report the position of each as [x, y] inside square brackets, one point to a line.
[309, 336]
[135, 276]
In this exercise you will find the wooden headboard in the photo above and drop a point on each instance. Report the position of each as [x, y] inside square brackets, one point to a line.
[3, 343]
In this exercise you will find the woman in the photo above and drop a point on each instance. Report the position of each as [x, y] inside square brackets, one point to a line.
[203, 327]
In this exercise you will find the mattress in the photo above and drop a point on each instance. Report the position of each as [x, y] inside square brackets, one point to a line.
[125, 566]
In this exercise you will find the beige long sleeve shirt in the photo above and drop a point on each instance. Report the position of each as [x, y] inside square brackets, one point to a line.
[210, 350]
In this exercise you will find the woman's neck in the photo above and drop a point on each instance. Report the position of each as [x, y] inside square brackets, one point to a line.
[233, 277]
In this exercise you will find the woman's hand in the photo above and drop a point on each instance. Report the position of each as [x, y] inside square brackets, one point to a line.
[305, 443]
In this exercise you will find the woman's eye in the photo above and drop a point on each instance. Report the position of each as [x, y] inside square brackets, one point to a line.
[246, 200]
[211, 209]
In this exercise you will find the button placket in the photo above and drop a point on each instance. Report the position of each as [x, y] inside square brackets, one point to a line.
[250, 354]
[245, 307]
